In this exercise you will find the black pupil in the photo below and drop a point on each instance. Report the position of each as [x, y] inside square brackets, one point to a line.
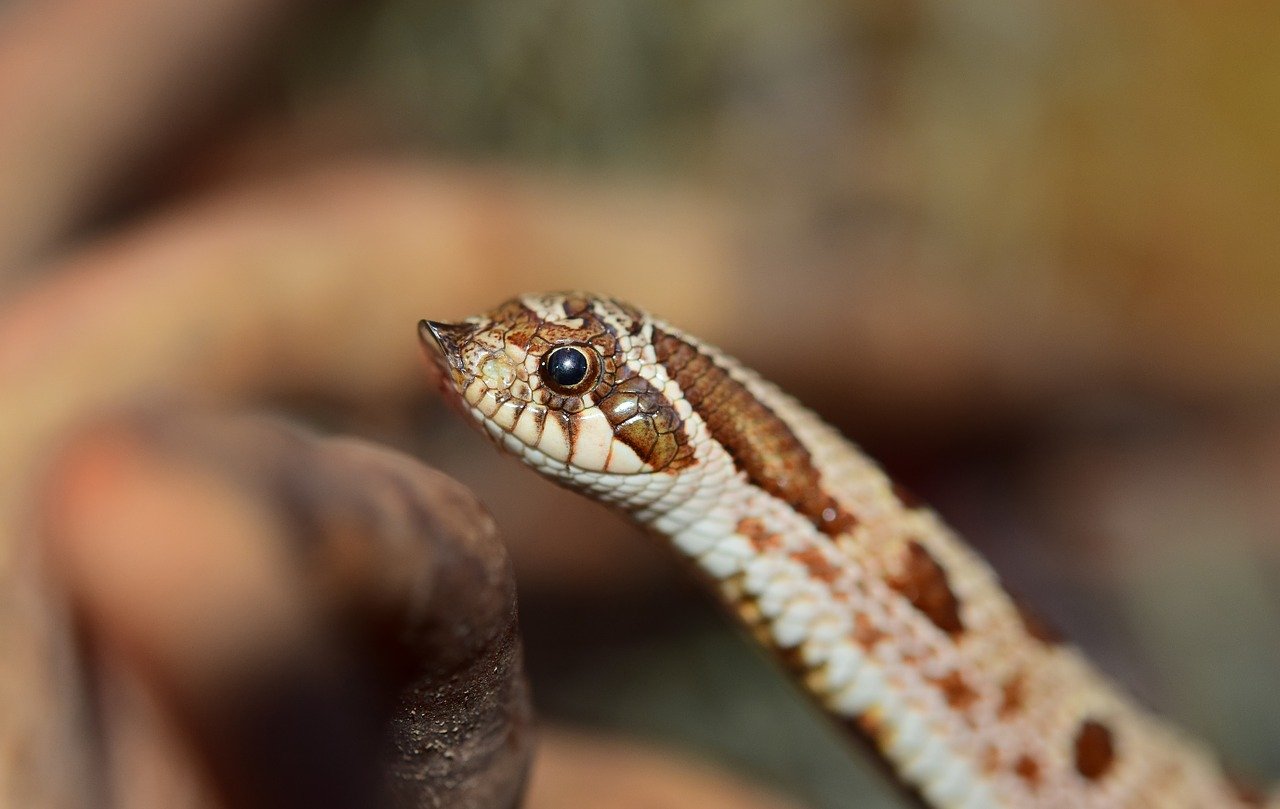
[567, 366]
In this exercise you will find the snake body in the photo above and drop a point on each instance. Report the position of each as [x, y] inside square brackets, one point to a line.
[898, 628]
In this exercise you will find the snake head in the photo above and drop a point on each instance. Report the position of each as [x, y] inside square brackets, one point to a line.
[567, 381]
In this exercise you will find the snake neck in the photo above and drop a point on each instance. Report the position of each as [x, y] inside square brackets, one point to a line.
[893, 624]
[900, 630]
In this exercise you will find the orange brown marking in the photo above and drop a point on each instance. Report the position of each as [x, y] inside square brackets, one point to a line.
[1095, 749]
[1014, 695]
[753, 529]
[817, 565]
[866, 633]
[990, 762]
[524, 323]
[958, 693]
[760, 443]
[1028, 769]
[923, 582]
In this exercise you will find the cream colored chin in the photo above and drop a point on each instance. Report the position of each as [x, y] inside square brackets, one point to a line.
[518, 425]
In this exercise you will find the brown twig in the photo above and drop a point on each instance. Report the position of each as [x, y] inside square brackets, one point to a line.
[313, 284]
[254, 604]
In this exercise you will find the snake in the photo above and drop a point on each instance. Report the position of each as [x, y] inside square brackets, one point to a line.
[896, 627]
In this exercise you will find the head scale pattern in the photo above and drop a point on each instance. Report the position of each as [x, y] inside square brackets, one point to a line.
[564, 380]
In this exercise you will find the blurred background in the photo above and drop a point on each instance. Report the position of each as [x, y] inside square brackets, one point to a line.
[1026, 254]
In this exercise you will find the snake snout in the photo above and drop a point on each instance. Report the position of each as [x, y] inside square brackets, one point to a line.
[444, 338]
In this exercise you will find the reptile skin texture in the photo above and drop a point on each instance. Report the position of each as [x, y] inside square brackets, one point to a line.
[890, 621]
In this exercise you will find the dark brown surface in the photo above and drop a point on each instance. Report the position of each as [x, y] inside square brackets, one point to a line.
[1095, 750]
[924, 583]
[1028, 770]
[1013, 696]
[958, 693]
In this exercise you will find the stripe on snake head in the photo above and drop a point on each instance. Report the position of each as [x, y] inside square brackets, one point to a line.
[760, 443]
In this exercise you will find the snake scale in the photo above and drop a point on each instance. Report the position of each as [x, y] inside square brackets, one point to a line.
[891, 622]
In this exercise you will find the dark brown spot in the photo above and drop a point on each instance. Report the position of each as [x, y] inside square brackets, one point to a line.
[1014, 694]
[760, 443]
[1095, 749]
[817, 565]
[1028, 769]
[958, 693]
[923, 582]
[865, 633]
[753, 529]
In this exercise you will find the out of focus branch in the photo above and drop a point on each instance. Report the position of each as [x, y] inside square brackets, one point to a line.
[254, 604]
[312, 285]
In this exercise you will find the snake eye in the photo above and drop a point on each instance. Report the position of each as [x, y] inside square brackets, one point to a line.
[571, 370]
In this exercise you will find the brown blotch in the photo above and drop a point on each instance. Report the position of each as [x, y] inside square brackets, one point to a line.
[760, 443]
[958, 693]
[1095, 749]
[923, 582]
[524, 323]
[990, 759]
[1028, 769]
[866, 633]
[1014, 694]
[753, 529]
[817, 565]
